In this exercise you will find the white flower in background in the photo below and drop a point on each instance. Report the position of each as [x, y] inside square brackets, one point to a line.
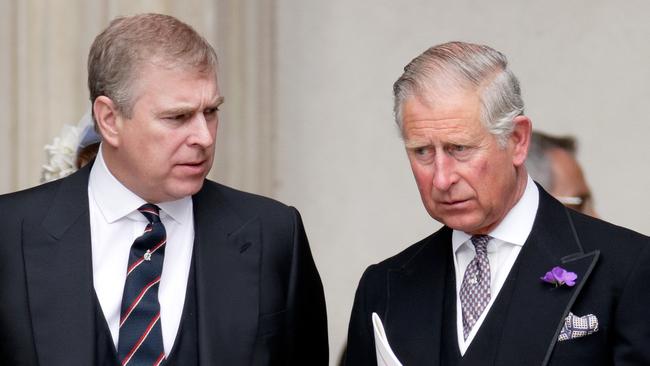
[61, 154]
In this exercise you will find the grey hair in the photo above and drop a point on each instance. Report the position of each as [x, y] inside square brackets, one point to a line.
[118, 54]
[538, 162]
[464, 66]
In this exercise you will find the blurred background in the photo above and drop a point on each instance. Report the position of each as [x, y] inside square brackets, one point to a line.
[308, 114]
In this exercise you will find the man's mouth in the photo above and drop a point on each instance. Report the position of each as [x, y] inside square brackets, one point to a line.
[193, 167]
[453, 203]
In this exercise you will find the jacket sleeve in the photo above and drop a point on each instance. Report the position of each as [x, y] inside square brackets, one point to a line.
[361, 340]
[16, 338]
[632, 326]
[307, 317]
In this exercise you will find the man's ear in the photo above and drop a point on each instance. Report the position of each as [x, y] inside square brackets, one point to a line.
[520, 139]
[108, 120]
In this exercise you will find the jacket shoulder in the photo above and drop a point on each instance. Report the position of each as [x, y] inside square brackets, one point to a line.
[25, 200]
[279, 220]
[244, 203]
[412, 253]
[34, 201]
[602, 235]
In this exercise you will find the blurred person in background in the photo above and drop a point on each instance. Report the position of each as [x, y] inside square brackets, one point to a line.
[552, 163]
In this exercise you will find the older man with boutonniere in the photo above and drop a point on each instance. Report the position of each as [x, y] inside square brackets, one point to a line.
[514, 278]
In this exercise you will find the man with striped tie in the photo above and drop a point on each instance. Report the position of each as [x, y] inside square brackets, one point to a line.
[137, 259]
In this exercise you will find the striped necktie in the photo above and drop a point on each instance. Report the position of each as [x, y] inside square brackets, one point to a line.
[140, 341]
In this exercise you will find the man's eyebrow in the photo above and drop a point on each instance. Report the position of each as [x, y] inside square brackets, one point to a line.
[176, 111]
[220, 101]
[413, 144]
[188, 109]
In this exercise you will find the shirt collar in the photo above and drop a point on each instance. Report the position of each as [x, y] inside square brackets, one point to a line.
[516, 226]
[115, 201]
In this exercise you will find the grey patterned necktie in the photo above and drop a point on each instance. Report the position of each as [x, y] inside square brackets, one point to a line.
[475, 289]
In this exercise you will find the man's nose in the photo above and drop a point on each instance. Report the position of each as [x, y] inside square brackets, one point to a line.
[201, 133]
[444, 175]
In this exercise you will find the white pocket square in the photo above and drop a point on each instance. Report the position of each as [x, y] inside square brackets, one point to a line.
[578, 326]
[385, 355]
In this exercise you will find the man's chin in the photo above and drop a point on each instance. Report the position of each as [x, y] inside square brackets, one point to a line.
[461, 222]
[185, 189]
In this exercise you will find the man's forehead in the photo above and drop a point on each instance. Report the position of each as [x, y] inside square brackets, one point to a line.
[163, 66]
[451, 116]
[166, 89]
[183, 63]
[452, 103]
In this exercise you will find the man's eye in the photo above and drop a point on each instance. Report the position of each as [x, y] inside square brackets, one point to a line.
[421, 151]
[179, 117]
[459, 150]
[210, 112]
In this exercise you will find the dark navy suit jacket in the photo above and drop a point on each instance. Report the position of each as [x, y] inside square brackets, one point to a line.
[613, 268]
[259, 296]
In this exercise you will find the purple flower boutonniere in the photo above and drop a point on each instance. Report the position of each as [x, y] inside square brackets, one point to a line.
[560, 276]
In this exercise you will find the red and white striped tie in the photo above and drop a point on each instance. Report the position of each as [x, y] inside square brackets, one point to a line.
[140, 341]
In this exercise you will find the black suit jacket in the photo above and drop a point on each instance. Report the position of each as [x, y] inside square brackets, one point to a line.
[613, 268]
[259, 296]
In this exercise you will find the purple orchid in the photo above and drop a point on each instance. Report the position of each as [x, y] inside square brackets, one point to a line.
[560, 276]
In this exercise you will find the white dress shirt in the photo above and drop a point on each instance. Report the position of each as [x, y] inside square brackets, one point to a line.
[508, 239]
[115, 222]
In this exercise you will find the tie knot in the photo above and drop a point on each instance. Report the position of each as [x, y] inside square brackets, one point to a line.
[480, 243]
[151, 212]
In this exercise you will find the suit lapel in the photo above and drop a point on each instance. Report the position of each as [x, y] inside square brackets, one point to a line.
[58, 268]
[413, 319]
[537, 310]
[227, 254]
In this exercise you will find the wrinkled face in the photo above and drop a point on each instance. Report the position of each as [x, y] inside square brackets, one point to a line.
[569, 184]
[165, 150]
[466, 179]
